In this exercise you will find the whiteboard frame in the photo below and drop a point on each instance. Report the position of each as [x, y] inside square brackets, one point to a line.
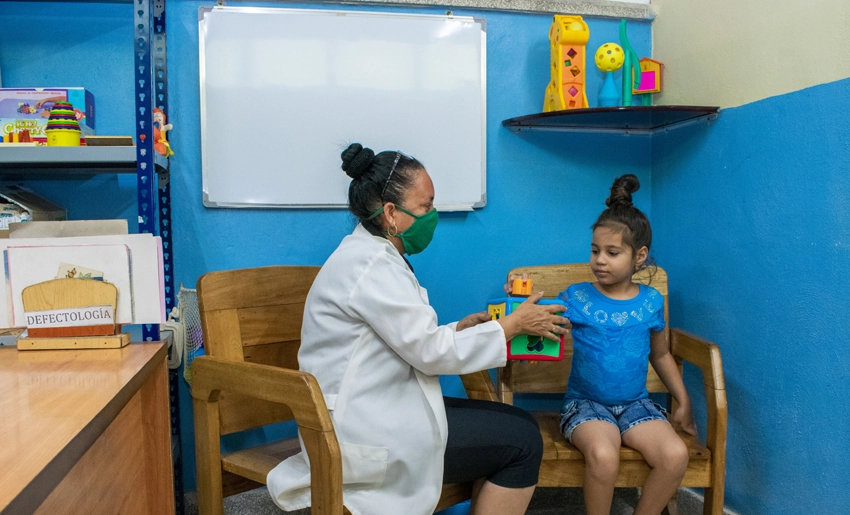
[203, 10]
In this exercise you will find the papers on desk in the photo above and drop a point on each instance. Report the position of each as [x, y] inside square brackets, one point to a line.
[133, 262]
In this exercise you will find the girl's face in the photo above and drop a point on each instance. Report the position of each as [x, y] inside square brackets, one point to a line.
[613, 262]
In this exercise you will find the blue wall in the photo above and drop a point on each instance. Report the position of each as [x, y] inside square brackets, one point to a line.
[544, 190]
[751, 221]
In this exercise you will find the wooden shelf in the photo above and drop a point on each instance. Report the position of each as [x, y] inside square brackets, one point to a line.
[29, 160]
[620, 120]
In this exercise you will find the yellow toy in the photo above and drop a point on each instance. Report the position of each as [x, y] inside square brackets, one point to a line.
[568, 38]
[610, 57]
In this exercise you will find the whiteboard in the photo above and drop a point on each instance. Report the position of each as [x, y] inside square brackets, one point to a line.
[284, 91]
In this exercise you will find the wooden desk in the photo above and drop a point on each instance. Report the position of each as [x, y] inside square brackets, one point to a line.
[85, 431]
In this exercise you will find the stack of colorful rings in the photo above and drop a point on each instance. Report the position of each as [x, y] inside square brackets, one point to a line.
[63, 129]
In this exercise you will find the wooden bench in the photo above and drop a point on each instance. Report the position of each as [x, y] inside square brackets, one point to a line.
[563, 464]
[251, 320]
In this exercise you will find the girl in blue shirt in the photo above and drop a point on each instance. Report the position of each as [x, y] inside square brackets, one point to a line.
[617, 329]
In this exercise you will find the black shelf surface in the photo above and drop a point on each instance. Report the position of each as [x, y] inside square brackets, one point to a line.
[69, 161]
[620, 119]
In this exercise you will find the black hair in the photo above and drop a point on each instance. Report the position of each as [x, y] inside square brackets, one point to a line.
[372, 186]
[623, 217]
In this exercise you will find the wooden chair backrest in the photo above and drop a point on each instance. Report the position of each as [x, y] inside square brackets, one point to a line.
[254, 315]
[552, 376]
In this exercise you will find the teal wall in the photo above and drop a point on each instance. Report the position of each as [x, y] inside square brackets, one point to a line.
[544, 190]
[751, 222]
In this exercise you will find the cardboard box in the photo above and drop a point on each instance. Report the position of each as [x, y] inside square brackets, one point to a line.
[21, 204]
[29, 108]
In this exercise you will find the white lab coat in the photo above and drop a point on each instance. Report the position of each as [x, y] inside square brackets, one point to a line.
[373, 343]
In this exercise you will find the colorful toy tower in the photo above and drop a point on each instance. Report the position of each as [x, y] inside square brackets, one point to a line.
[63, 129]
[524, 346]
[568, 38]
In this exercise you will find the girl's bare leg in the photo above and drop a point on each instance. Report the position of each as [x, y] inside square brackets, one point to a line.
[600, 443]
[667, 456]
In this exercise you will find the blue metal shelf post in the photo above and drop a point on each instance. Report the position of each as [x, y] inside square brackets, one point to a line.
[154, 191]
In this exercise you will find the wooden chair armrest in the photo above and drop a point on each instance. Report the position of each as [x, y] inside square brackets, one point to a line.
[706, 356]
[478, 385]
[298, 390]
[702, 353]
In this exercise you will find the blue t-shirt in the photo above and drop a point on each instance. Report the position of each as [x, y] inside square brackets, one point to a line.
[611, 343]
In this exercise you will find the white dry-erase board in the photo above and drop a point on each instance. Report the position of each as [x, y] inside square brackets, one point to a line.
[284, 91]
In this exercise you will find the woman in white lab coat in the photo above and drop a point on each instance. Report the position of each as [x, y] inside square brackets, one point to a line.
[373, 342]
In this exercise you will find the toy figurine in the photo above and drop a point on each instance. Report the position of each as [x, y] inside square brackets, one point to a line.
[160, 127]
[524, 346]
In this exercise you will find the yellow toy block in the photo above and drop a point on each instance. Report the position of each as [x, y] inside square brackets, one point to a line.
[497, 311]
[568, 39]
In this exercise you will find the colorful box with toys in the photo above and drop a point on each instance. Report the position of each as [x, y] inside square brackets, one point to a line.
[524, 346]
[29, 108]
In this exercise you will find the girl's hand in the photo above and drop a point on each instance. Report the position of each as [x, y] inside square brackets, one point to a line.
[684, 419]
[531, 318]
[509, 286]
[473, 320]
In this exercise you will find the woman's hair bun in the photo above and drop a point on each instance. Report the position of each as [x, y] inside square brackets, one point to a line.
[621, 191]
[356, 160]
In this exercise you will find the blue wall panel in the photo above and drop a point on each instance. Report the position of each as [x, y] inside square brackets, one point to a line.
[750, 220]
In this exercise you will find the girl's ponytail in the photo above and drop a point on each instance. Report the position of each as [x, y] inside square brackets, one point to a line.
[621, 191]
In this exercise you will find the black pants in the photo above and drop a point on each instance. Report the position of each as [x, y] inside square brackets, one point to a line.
[491, 440]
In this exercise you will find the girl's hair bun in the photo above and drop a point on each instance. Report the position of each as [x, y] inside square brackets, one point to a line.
[356, 160]
[621, 191]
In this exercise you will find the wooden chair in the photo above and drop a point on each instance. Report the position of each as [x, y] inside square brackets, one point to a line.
[251, 320]
[563, 464]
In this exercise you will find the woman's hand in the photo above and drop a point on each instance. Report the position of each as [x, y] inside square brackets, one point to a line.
[473, 320]
[531, 318]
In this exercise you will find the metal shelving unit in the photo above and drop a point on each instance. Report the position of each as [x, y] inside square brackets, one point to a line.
[26, 160]
[154, 191]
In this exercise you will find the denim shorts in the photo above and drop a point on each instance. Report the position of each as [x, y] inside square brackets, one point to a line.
[626, 416]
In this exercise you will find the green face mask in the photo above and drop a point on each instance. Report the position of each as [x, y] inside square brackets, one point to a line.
[418, 235]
